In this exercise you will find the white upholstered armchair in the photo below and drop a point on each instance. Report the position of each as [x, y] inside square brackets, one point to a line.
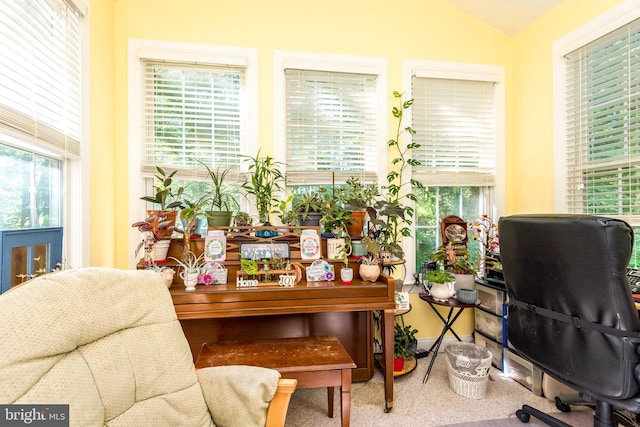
[108, 343]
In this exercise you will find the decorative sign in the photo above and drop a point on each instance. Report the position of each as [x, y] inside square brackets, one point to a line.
[320, 270]
[287, 280]
[263, 250]
[246, 283]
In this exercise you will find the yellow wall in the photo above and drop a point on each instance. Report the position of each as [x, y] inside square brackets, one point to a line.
[530, 151]
[419, 29]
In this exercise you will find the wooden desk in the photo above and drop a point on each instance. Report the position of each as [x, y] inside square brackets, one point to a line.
[224, 312]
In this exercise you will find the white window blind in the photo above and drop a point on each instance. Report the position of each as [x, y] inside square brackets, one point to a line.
[455, 124]
[40, 96]
[192, 113]
[331, 126]
[603, 125]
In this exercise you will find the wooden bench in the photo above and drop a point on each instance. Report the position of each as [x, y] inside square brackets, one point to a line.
[313, 361]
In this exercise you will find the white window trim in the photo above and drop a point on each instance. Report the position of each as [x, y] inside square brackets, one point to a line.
[603, 24]
[459, 71]
[140, 49]
[329, 62]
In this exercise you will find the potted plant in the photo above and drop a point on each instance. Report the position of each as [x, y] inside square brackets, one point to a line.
[369, 268]
[457, 260]
[346, 273]
[157, 229]
[263, 183]
[168, 199]
[285, 213]
[403, 341]
[309, 208]
[222, 198]
[356, 197]
[242, 219]
[391, 215]
[441, 284]
[191, 265]
[190, 215]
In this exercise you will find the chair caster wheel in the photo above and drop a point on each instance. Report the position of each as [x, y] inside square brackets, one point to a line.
[562, 407]
[522, 416]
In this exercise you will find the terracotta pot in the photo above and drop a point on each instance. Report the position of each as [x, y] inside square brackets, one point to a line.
[357, 223]
[369, 273]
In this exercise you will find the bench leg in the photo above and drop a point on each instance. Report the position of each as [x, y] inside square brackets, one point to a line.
[345, 397]
[330, 391]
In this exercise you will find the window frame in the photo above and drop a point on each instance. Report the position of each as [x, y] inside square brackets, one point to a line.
[459, 71]
[75, 169]
[378, 66]
[139, 49]
[615, 18]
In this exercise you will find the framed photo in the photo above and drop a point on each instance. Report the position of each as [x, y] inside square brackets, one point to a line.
[264, 250]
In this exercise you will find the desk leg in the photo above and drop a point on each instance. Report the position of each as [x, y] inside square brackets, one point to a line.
[387, 353]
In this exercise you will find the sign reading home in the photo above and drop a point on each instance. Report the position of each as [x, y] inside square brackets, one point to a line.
[34, 415]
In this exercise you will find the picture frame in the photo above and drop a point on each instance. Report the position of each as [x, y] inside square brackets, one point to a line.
[263, 250]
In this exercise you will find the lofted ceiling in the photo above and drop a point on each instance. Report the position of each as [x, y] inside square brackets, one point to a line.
[508, 16]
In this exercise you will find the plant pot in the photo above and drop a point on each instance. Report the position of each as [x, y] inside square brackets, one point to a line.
[190, 280]
[441, 291]
[465, 281]
[219, 218]
[334, 246]
[346, 275]
[167, 276]
[398, 364]
[161, 249]
[369, 273]
[312, 219]
[357, 223]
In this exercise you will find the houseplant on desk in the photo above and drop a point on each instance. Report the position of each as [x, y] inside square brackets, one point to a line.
[221, 196]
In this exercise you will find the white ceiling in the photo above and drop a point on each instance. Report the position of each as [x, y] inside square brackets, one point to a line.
[508, 16]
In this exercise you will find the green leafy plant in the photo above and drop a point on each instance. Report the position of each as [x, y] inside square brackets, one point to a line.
[242, 218]
[439, 276]
[456, 258]
[220, 194]
[369, 260]
[402, 338]
[357, 196]
[264, 181]
[308, 202]
[286, 213]
[166, 195]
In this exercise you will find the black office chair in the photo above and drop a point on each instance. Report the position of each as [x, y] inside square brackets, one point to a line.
[570, 308]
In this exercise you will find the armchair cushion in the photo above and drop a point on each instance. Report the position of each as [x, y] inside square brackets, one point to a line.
[238, 396]
[107, 342]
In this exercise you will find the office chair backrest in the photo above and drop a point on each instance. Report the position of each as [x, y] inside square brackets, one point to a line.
[569, 301]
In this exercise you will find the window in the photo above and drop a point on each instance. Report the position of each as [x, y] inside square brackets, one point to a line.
[598, 148]
[190, 103]
[458, 117]
[41, 132]
[330, 116]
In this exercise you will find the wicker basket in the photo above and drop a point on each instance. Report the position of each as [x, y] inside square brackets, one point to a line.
[468, 366]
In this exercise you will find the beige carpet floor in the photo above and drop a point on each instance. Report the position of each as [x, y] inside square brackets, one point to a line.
[430, 404]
